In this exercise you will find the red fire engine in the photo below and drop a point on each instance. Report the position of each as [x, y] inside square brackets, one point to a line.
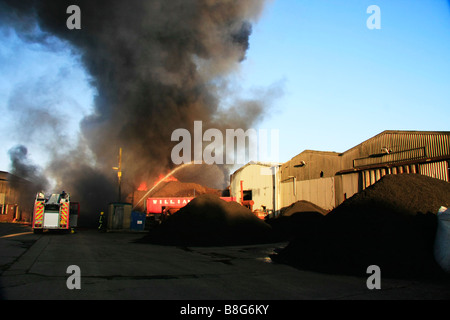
[55, 212]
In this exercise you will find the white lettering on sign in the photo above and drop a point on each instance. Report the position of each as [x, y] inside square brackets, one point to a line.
[170, 201]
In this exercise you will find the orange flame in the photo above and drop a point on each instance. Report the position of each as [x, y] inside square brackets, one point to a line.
[162, 178]
[143, 187]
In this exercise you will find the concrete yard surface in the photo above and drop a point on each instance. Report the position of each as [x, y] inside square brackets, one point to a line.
[116, 266]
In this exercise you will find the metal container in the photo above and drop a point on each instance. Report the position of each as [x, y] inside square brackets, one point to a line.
[137, 221]
[119, 216]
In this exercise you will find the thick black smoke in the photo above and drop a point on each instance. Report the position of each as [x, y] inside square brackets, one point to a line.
[157, 65]
[24, 168]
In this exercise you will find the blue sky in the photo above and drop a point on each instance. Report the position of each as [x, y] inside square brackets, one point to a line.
[342, 83]
[59, 87]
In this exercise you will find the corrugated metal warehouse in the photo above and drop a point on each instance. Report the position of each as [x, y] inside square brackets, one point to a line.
[328, 178]
[16, 198]
[393, 152]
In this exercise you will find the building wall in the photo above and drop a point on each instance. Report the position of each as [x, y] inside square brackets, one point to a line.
[438, 170]
[318, 191]
[16, 198]
[262, 181]
[310, 176]
[346, 186]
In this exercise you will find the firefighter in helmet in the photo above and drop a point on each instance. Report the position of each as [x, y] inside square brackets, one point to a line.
[101, 222]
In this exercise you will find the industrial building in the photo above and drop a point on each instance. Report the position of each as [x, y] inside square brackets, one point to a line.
[16, 198]
[393, 152]
[310, 176]
[256, 185]
[328, 178]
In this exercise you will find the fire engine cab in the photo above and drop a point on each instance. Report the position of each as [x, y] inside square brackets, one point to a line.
[55, 212]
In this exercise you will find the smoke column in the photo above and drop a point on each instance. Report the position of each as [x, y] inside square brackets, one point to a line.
[157, 66]
[22, 167]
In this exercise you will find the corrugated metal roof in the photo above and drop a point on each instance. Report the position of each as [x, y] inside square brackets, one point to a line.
[397, 146]
[258, 163]
[402, 132]
[6, 176]
[327, 153]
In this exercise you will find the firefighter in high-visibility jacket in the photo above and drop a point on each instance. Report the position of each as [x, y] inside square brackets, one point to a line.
[101, 222]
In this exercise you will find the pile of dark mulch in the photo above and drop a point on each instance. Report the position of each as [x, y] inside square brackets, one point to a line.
[391, 224]
[302, 206]
[302, 218]
[210, 221]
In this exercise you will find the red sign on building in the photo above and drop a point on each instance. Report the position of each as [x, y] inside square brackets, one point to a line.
[157, 205]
